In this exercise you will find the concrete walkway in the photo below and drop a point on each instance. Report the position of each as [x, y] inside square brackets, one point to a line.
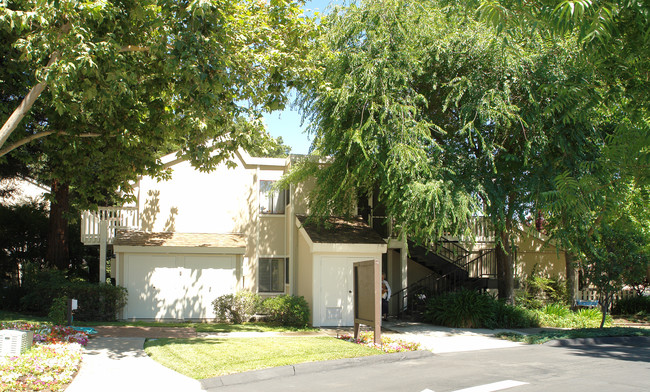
[119, 363]
[444, 340]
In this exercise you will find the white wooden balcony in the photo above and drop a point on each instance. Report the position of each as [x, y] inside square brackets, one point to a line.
[115, 217]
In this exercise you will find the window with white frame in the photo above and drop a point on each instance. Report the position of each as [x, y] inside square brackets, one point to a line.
[272, 201]
[272, 275]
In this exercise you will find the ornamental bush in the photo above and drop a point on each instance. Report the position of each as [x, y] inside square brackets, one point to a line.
[472, 309]
[97, 301]
[632, 305]
[287, 310]
[58, 311]
[236, 308]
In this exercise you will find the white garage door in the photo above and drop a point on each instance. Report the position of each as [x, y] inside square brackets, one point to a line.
[176, 286]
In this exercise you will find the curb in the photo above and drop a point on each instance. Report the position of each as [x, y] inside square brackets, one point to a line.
[213, 383]
[622, 340]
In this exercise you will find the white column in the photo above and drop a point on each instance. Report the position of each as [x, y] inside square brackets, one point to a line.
[103, 239]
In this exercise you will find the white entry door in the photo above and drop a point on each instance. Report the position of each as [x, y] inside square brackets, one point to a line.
[336, 292]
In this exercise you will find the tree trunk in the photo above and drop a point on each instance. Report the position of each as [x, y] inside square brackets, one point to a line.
[505, 271]
[58, 253]
[571, 279]
[604, 307]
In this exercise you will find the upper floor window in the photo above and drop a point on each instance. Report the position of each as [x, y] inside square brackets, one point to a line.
[272, 201]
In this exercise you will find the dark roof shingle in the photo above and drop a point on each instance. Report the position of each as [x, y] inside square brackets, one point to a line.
[337, 230]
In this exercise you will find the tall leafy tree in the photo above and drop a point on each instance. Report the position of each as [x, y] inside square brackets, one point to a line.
[108, 87]
[604, 183]
[420, 102]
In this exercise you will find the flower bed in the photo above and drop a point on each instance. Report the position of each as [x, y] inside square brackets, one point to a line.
[46, 367]
[46, 333]
[388, 345]
[49, 365]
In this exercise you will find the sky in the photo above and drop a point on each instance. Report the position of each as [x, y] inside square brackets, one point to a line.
[287, 123]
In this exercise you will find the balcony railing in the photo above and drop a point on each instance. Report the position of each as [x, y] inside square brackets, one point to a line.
[115, 217]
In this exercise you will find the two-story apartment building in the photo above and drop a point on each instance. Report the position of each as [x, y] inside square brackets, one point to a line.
[197, 235]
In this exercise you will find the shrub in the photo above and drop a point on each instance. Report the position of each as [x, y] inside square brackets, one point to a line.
[540, 290]
[632, 305]
[236, 308]
[58, 311]
[560, 316]
[508, 316]
[97, 302]
[471, 309]
[287, 310]
[41, 287]
[10, 298]
[461, 309]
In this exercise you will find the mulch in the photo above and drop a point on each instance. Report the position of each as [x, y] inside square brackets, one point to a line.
[144, 332]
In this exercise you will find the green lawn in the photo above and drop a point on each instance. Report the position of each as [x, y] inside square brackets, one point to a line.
[199, 327]
[545, 336]
[203, 358]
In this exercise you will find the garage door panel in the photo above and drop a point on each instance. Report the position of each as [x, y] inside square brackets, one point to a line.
[207, 279]
[152, 286]
[177, 286]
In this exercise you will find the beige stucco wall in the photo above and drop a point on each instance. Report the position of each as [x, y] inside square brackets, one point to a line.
[272, 236]
[197, 202]
[416, 271]
[225, 200]
[304, 267]
[299, 196]
[532, 251]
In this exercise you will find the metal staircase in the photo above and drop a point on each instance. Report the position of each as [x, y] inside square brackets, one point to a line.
[454, 268]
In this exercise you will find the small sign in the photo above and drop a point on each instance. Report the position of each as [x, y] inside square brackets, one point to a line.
[74, 304]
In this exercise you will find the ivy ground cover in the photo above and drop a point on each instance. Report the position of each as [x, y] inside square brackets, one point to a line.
[50, 365]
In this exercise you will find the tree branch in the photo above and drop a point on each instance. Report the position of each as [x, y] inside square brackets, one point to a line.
[28, 139]
[26, 104]
[134, 48]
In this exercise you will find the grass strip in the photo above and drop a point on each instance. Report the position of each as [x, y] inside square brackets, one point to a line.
[200, 358]
[6, 316]
[545, 336]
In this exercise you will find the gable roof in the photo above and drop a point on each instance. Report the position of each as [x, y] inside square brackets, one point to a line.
[208, 242]
[336, 230]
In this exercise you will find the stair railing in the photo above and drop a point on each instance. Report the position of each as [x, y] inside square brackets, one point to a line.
[416, 295]
[451, 251]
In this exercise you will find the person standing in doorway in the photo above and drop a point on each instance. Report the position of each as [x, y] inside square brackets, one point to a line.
[385, 296]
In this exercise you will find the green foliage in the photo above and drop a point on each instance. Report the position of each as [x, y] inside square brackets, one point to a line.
[23, 234]
[97, 302]
[560, 316]
[287, 310]
[41, 288]
[471, 309]
[23, 244]
[58, 314]
[236, 308]
[545, 336]
[540, 291]
[632, 305]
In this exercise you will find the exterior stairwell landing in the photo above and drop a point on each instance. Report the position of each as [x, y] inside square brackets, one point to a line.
[453, 268]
